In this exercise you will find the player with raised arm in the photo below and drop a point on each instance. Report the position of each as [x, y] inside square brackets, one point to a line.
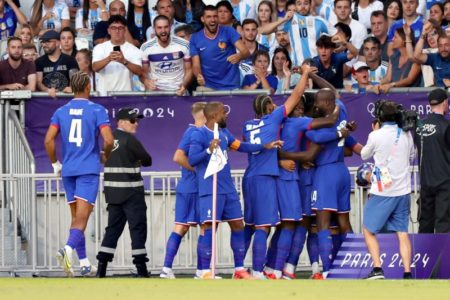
[79, 123]
[228, 204]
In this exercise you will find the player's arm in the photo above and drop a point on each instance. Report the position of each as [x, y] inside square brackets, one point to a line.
[299, 90]
[249, 148]
[139, 152]
[197, 151]
[302, 156]
[182, 160]
[326, 135]
[50, 145]
[108, 140]
[322, 83]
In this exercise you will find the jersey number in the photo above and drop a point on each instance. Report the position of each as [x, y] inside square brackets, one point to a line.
[253, 138]
[75, 132]
[303, 32]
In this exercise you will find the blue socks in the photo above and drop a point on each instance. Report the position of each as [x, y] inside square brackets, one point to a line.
[259, 250]
[238, 246]
[199, 255]
[173, 243]
[283, 248]
[248, 234]
[205, 245]
[298, 243]
[272, 251]
[76, 241]
[325, 248]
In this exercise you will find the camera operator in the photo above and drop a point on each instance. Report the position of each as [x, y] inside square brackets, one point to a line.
[388, 206]
[432, 139]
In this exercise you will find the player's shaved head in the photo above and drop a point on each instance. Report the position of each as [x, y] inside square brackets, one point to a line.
[211, 108]
[325, 95]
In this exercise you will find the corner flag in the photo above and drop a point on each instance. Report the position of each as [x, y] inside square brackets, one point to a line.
[218, 160]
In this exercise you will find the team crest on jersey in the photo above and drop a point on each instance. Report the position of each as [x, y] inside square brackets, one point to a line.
[302, 22]
[294, 22]
[222, 45]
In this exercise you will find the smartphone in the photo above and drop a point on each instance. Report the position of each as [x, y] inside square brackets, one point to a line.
[116, 48]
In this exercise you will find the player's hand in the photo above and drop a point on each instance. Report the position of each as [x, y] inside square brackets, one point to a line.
[234, 58]
[288, 165]
[344, 132]
[351, 126]
[150, 84]
[274, 144]
[307, 165]
[57, 167]
[52, 92]
[103, 157]
[305, 69]
[213, 145]
[200, 80]
[181, 90]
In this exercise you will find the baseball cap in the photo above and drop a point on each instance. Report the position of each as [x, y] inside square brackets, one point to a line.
[128, 114]
[49, 35]
[359, 65]
[437, 96]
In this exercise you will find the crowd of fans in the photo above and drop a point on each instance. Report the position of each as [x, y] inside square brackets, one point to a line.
[185, 45]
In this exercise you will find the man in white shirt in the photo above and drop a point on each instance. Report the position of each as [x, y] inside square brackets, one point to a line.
[388, 206]
[342, 9]
[165, 60]
[116, 60]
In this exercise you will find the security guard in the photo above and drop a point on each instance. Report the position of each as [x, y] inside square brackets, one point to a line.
[433, 142]
[124, 193]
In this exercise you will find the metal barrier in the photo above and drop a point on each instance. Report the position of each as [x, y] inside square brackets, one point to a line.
[50, 220]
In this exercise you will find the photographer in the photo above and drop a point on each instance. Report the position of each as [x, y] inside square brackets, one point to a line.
[433, 142]
[388, 206]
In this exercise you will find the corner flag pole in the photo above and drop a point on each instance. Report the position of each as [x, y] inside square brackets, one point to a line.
[214, 204]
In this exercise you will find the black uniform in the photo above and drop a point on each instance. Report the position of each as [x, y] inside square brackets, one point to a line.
[434, 137]
[124, 193]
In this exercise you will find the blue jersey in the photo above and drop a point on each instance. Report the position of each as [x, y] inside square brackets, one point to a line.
[251, 79]
[219, 74]
[416, 28]
[441, 68]
[8, 23]
[188, 182]
[304, 31]
[79, 123]
[334, 74]
[305, 176]
[292, 132]
[263, 131]
[332, 148]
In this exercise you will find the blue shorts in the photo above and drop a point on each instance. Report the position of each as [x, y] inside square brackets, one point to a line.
[260, 201]
[84, 187]
[390, 213]
[228, 208]
[186, 209]
[289, 202]
[305, 197]
[331, 188]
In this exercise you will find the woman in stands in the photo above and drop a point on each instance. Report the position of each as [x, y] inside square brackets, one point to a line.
[266, 16]
[25, 34]
[393, 10]
[281, 68]
[67, 40]
[49, 15]
[11, 15]
[138, 19]
[226, 17]
[84, 60]
[93, 11]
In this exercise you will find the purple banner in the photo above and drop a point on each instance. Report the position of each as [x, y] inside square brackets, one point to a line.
[166, 118]
[430, 257]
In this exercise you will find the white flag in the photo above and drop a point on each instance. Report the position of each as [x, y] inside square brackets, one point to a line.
[218, 160]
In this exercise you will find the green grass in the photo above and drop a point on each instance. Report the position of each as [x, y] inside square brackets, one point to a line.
[149, 289]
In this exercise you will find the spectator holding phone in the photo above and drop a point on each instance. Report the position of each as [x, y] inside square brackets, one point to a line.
[116, 60]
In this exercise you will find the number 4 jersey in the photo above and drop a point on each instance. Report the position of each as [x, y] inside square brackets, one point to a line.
[79, 123]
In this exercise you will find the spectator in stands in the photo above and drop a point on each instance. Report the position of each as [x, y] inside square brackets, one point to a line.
[116, 7]
[410, 18]
[184, 32]
[116, 60]
[393, 10]
[49, 15]
[17, 73]
[29, 52]
[437, 14]
[329, 64]
[226, 17]
[84, 60]
[54, 69]
[87, 17]
[189, 11]
[284, 41]
[377, 69]
[362, 83]
[447, 13]
[401, 71]
[166, 62]
[261, 78]
[67, 40]
[281, 69]
[265, 17]
[242, 9]
[215, 61]
[249, 34]
[138, 19]
[10, 15]
[362, 11]
[25, 34]
[342, 9]
[165, 8]
[73, 5]
[379, 27]
[281, 7]
[440, 62]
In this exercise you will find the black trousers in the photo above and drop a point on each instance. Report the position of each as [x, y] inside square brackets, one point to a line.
[434, 209]
[133, 211]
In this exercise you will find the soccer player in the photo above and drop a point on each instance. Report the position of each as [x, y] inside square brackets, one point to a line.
[186, 213]
[228, 204]
[79, 123]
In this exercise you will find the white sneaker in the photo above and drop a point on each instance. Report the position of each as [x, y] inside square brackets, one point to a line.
[65, 261]
[259, 275]
[88, 271]
[167, 273]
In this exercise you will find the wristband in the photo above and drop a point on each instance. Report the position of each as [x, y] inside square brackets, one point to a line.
[57, 167]
[339, 134]
[207, 151]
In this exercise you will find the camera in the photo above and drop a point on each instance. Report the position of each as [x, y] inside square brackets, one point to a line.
[386, 111]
